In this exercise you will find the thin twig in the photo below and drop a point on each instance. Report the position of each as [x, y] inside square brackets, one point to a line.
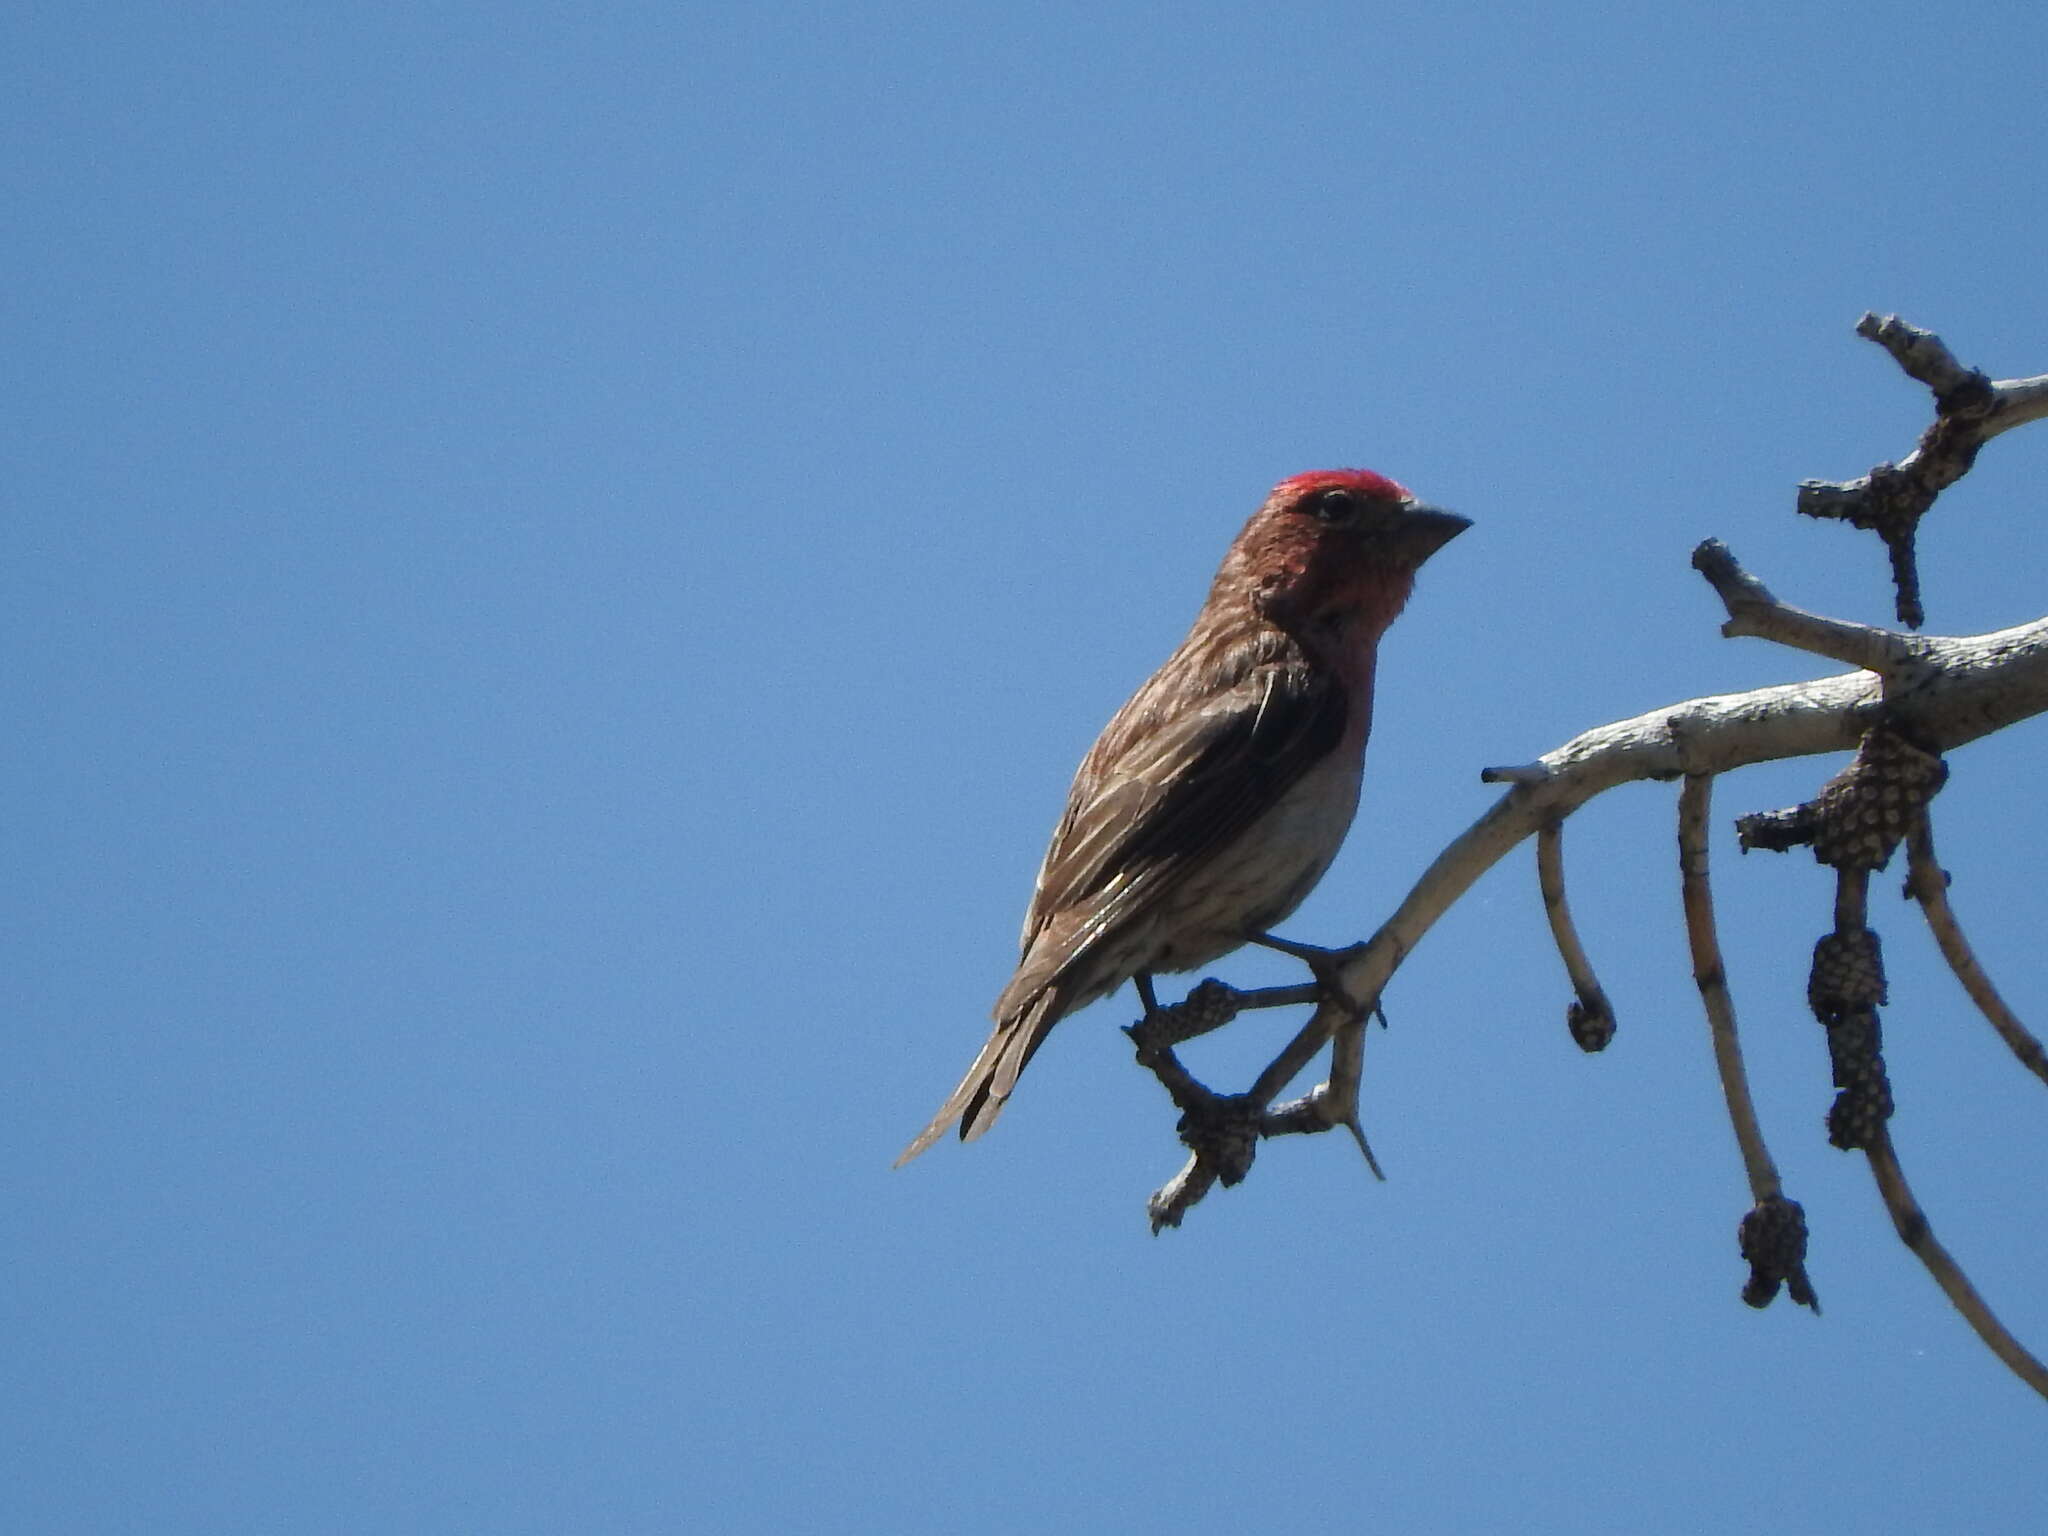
[1170, 1202]
[1590, 1018]
[1301, 1050]
[1319, 1110]
[1347, 1072]
[1924, 356]
[1772, 1235]
[1852, 900]
[1694, 805]
[1753, 611]
[1914, 1231]
[1927, 883]
[1970, 410]
[1921, 355]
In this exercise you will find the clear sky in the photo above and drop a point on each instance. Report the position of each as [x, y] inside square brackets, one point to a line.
[559, 560]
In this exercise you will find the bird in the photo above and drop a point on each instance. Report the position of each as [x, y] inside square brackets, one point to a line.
[1217, 797]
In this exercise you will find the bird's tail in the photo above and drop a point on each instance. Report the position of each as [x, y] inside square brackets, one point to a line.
[989, 1082]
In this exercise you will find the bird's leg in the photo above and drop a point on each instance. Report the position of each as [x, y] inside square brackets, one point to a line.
[1323, 964]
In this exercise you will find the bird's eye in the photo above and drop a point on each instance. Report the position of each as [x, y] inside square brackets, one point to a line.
[1335, 506]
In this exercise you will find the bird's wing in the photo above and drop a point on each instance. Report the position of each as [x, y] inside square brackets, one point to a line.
[1161, 792]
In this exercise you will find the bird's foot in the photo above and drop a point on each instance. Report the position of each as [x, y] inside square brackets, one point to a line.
[1327, 966]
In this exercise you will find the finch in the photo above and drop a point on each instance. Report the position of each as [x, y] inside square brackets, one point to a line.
[1212, 803]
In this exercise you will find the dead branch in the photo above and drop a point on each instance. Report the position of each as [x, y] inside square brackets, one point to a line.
[1927, 883]
[1976, 685]
[1913, 699]
[1753, 611]
[1590, 1018]
[1773, 1232]
[1970, 410]
[1914, 1231]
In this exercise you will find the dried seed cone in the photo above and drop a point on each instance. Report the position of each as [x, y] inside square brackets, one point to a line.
[1871, 805]
[1226, 1137]
[1209, 1006]
[1847, 974]
[1591, 1028]
[1865, 1101]
[1858, 1115]
[1773, 1239]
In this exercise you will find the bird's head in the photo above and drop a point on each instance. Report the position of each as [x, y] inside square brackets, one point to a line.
[1336, 546]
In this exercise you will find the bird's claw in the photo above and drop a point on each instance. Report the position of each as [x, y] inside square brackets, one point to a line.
[1327, 967]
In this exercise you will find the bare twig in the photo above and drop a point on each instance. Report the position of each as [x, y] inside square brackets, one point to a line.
[1772, 1235]
[1162, 1063]
[1590, 1017]
[1920, 354]
[2020, 401]
[1347, 1071]
[1924, 356]
[1970, 410]
[1753, 611]
[1170, 1202]
[1694, 805]
[1914, 1231]
[1329, 1104]
[1852, 901]
[1927, 883]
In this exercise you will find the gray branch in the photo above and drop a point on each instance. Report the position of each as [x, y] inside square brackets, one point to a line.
[1753, 611]
[1965, 687]
[1970, 410]
[1927, 883]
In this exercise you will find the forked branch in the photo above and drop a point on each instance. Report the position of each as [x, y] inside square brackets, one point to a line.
[1974, 686]
[1912, 699]
[1970, 409]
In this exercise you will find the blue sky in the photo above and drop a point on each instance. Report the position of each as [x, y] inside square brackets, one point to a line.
[561, 559]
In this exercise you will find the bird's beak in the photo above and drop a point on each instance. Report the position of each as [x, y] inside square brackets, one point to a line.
[1425, 529]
